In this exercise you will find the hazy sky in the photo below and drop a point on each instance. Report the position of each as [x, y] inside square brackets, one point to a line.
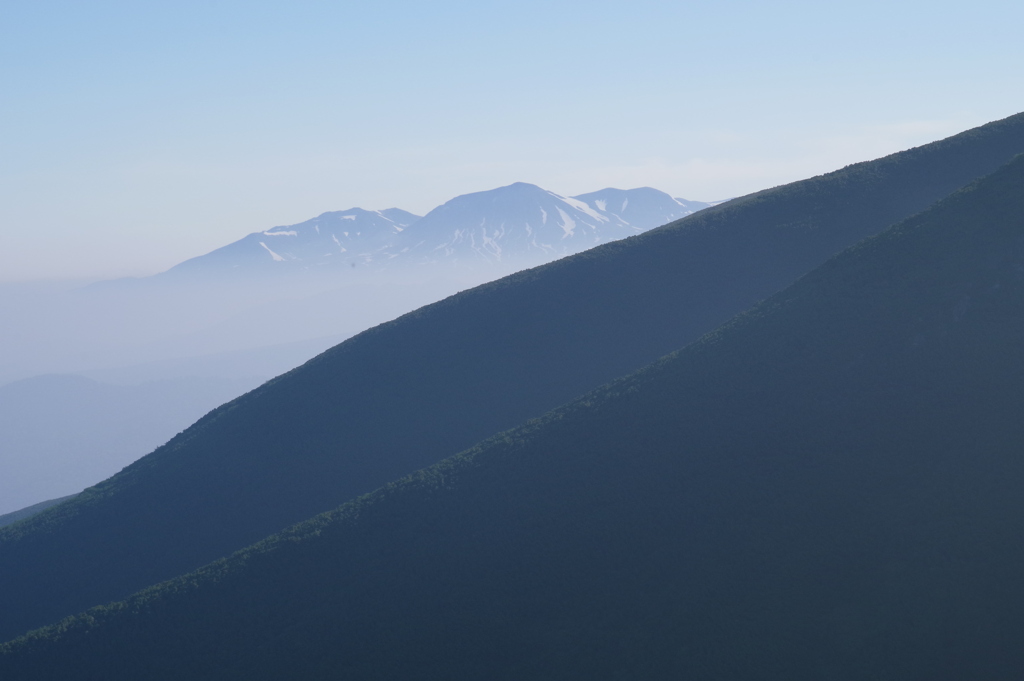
[134, 135]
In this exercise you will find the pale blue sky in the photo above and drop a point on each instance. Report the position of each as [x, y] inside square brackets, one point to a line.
[134, 135]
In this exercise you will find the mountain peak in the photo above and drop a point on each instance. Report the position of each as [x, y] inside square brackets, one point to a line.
[520, 186]
[642, 207]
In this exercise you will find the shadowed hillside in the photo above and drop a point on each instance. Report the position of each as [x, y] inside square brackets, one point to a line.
[826, 487]
[406, 394]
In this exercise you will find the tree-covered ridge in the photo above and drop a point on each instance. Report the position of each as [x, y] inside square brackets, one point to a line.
[825, 487]
[29, 511]
[408, 393]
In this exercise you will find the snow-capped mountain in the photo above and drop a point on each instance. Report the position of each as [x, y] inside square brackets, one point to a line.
[517, 224]
[330, 240]
[643, 208]
[514, 222]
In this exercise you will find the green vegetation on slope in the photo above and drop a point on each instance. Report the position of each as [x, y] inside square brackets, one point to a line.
[408, 393]
[826, 487]
[29, 511]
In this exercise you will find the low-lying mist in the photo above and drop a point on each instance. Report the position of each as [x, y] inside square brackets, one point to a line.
[94, 376]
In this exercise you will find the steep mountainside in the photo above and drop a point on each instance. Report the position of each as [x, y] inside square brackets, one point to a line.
[826, 487]
[408, 393]
[102, 429]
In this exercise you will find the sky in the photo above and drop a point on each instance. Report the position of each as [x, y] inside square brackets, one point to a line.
[134, 135]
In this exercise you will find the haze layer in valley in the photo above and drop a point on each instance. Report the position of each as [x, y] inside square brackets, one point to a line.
[95, 375]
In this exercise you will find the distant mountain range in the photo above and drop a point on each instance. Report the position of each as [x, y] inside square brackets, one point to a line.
[517, 224]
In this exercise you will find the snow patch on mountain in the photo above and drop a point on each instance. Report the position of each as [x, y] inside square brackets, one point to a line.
[273, 255]
[568, 224]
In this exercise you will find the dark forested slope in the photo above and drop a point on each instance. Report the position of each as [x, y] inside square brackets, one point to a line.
[407, 393]
[826, 487]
